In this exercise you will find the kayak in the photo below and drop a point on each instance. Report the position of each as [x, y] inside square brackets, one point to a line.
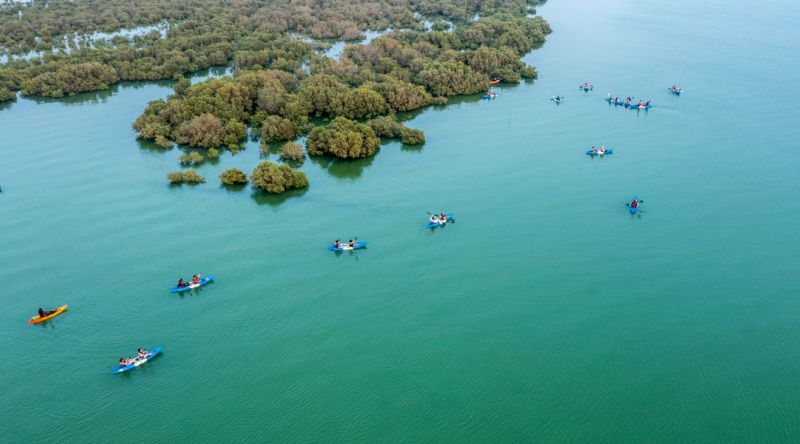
[586, 88]
[122, 369]
[494, 82]
[56, 312]
[346, 247]
[202, 282]
[597, 153]
[677, 92]
[489, 96]
[636, 208]
[448, 218]
[638, 107]
[613, 102]
[557, 100]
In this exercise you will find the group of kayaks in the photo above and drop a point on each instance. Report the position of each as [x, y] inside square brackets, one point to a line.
[435, 221]
[628, 103]
[633, 204]
[129, 364]
[490, 95]
[126, 365]
[616, 101]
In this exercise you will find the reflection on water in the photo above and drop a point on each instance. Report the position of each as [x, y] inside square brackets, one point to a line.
[276, 200]
[78, 99]
[344, 168]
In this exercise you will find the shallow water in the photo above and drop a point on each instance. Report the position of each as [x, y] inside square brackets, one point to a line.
[546, 312]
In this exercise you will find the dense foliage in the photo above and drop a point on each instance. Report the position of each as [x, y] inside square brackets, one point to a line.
[293, 151]
[255, 34]
[233, 176]
[343, 138]
[273, 178]
[388, 127]
[283, 87]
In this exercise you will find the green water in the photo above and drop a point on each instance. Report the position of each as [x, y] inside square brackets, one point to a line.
[545, 313]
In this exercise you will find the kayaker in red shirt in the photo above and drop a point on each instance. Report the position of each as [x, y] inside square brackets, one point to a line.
[196, 279]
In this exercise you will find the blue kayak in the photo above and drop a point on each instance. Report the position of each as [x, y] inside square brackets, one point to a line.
[637, 107]
[613, 102]
[634, 209]
[122, 369]
[346, 247]
[586, 88]
[202, 282]
[449, 216]
[677, 92]
[597, 153]
[557, 100]
[489, 97]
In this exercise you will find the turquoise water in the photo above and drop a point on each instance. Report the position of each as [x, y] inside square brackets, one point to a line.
[545, 313]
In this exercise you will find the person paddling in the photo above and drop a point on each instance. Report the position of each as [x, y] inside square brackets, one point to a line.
[634, 203]
[337, 244]
[196, 279]
[351, 243]
[43, 313]
[182, 283]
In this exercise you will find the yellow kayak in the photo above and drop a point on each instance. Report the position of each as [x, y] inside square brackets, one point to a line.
[56, 312]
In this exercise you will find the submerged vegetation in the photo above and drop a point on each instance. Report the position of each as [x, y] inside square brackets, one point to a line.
[188, 176]
[282, 87]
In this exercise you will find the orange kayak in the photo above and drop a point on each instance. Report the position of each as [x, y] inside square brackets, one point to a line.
[56, 312]
[494, 82]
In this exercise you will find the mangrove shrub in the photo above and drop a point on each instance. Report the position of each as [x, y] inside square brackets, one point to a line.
[293, 151]
[343, 138]
[273, 178]
[233, 176]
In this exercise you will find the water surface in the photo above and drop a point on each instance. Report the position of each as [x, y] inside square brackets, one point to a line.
[545, 313]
